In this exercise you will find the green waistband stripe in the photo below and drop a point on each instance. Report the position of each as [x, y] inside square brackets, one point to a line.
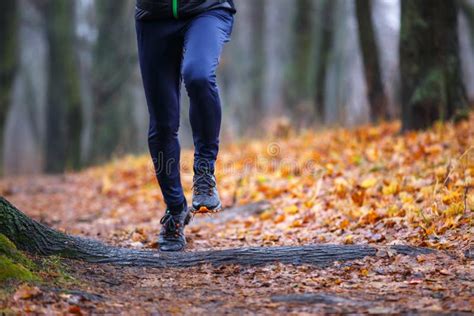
[175, 9]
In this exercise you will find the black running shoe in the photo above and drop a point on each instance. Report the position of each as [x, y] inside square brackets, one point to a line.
[171, 237]
[205, 195]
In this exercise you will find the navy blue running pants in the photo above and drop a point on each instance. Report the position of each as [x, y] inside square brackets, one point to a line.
[172, 50]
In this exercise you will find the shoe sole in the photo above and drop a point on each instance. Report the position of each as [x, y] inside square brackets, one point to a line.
[206, 210]
[174, 250]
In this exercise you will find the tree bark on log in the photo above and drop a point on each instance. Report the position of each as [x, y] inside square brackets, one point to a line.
[317, 298]
[36, 238]
[233, 212]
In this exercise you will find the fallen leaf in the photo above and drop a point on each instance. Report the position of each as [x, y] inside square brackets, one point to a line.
[25, 292]
[368, 183]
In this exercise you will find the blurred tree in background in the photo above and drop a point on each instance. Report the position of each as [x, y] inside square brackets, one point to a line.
[302, 57]
[432, 87]
[63, 112]
[114, 61]
[71, 93]
[326, 37]
[467, 8]
[370, 56]
[8, 59]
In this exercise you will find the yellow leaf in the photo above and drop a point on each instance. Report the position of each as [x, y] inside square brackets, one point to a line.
[261, 179]
[451, 197]
[406, 198]
[455, 209]
[309, 204]
[368, 183]
[390, 189]
[292, 209]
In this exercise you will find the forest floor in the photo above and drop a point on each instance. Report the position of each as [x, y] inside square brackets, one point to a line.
[370, 185]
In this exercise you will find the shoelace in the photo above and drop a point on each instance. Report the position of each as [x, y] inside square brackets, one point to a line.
[203, 184]
[170, 224]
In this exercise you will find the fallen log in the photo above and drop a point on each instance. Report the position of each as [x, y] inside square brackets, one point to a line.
[316, 298]
[233, 213]
[33, 237]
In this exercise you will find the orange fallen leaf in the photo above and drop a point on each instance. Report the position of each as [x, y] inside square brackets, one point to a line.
[271, 237]
[279, 219]
[344, 224]
[358, 197]
[26, 292]
[266, 215]
[297, 223]
[76, 310]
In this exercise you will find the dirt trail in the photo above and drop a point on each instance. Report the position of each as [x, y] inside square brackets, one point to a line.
[368, 186]
[388, 283]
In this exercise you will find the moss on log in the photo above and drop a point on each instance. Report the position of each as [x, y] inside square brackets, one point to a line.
[13, 264]
[34, 237]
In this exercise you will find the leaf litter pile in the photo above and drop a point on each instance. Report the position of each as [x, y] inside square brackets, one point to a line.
[370, 185]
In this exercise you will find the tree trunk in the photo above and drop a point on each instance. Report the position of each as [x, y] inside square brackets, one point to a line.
[238, 76]
[8, 60]
[467, 9]
[324, 53]
[375, 90]
[31, 236]
[113, 65]
[432, 87]
[258, 71]
[277, 14]
[299, 83]
[64, 114]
